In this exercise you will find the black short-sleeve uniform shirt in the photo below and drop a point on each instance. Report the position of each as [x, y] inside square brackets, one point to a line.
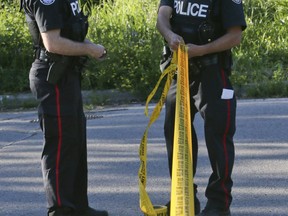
[187, 15]
[51, 14]
[48, 14]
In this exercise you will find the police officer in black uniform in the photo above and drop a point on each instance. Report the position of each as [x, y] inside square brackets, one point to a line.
[210, 28]
[58, 29]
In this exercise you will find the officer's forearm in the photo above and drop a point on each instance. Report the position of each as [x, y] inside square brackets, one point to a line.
[54, 43]
[163, 26]
[163, 22]
[231, 39]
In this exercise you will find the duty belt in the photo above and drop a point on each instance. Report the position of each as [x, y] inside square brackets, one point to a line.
[208, 60]
[198, 63]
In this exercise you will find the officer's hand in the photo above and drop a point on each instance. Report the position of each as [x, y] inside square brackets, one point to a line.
[96, 51]
[195, 50]
[99, 53]
[104, 53]
[174, 40]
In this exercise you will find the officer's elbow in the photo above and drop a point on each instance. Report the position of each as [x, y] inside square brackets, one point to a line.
[237, 39]
[235, 35]
[158, 25]
[51, 40]
[50, 47]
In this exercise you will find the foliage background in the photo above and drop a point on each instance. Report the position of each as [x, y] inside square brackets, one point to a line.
[127, 29]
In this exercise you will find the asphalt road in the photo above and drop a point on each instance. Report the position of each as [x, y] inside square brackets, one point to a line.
[114, 134]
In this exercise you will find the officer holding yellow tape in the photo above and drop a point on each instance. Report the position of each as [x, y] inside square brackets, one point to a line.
[210, 28]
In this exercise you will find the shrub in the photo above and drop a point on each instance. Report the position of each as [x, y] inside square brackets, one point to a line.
[133, 44]
[127, 29]
[15, 49]
[263, 53]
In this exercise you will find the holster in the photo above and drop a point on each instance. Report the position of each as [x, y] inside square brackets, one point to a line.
[58, 66]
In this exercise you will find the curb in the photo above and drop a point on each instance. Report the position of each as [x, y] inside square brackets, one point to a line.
[94, 97]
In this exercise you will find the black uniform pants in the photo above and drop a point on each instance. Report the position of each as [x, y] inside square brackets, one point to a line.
[218, 113]
[64, 156]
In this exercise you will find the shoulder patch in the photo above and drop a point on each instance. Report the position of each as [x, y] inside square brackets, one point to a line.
[47, 2]
[237, 1]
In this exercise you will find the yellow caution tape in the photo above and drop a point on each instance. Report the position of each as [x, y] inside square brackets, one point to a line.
[182, 196]
[145, 203]
[182, 199]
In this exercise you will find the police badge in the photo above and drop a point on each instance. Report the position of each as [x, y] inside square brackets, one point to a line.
[47, 2]
[237, 1]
